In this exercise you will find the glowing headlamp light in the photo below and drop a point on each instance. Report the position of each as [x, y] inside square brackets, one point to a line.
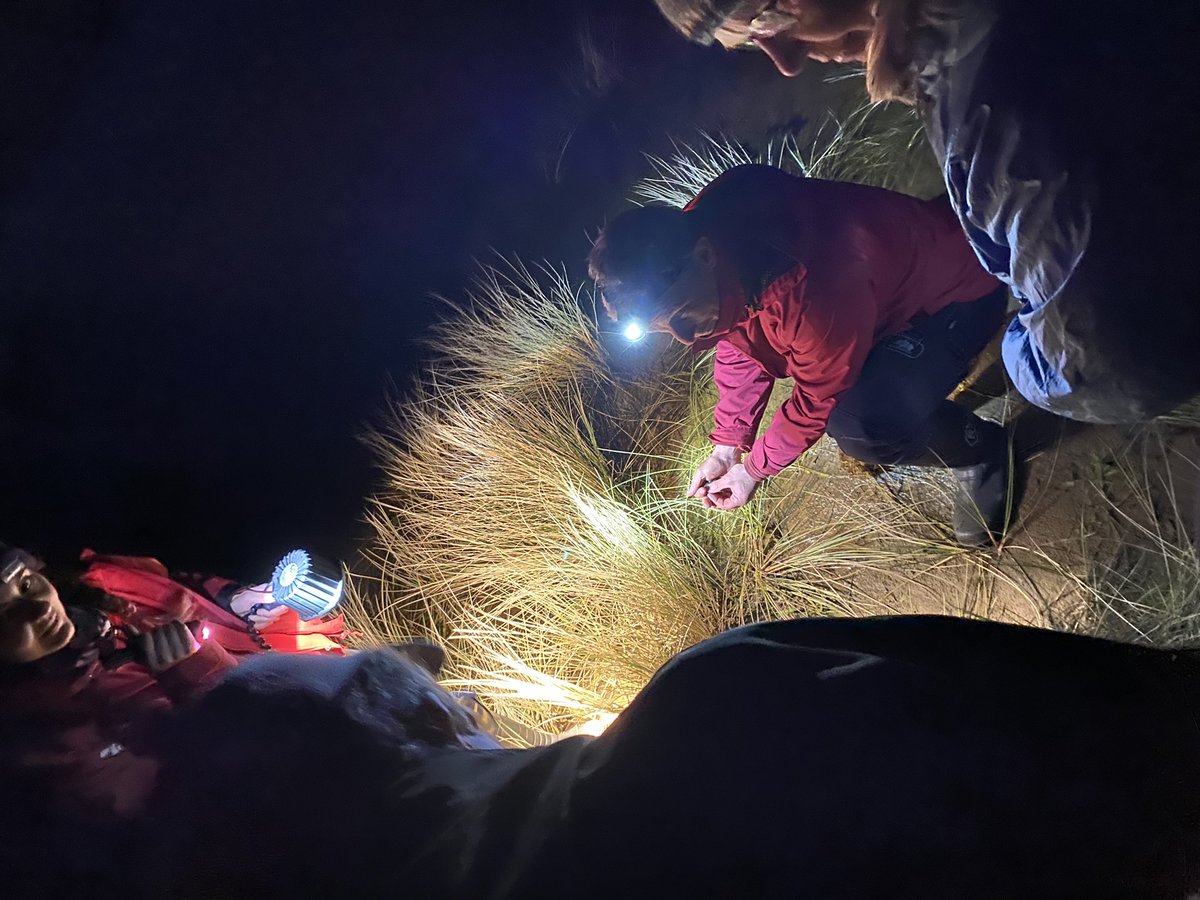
[634, 332]
[306, 583]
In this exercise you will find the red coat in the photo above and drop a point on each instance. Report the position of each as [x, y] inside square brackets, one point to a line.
[83, 736]
[162, 597]
[866, 262]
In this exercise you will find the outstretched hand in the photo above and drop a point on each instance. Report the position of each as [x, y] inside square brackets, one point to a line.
[256, 605]
[731, 491]
[718, 464]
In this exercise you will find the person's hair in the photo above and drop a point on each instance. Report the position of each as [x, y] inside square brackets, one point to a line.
[635, 255]
[902, 28]
[66, 576]
[904, 31]
[639, 254]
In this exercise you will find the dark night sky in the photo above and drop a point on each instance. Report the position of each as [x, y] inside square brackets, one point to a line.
[222, 221]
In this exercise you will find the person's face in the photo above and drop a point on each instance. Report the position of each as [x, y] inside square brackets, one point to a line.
[33, 622]
[791, 31]
[692, 304]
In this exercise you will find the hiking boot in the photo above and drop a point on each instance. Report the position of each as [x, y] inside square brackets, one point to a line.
[983, 500]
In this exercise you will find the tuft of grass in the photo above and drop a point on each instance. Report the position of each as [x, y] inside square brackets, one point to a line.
[1143, 569]
[532, 515]
[881, 146]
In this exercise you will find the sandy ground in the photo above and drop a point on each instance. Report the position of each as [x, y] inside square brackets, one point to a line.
[1104, 536]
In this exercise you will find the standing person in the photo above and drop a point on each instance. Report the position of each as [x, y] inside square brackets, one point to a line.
[869, 300]
[1068, 158]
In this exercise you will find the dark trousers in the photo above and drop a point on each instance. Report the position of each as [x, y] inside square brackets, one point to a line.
[897, 411]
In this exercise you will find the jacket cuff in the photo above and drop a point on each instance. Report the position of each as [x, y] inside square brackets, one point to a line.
[752, 470]
[740, 439]
[193, 676]
[758, 465]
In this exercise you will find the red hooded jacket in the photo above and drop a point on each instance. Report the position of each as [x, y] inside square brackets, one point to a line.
[82, 735]
[861, 263]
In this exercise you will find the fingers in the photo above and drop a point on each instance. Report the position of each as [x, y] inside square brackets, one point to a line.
[730, 502]
[144, 649]
[726, 493]
[183, 644]
[712, 469]
[162, 657]
[166, 646]
[718, 494]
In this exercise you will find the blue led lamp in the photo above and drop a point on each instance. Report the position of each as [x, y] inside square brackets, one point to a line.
[635, 323]
[308, 584]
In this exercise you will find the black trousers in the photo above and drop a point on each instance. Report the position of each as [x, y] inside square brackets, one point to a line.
[897, 411]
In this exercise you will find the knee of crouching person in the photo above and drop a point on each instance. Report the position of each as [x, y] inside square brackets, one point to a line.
[875, 437]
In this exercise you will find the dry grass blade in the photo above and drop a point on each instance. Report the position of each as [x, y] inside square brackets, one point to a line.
[875, 145]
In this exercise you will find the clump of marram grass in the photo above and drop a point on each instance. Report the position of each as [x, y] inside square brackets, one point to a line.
[1142, 565]
[532, 515]
[532, 518]
[876, 145]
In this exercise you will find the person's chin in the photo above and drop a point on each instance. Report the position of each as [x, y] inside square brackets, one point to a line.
[59, 634]
[685, 338]
[852, 48]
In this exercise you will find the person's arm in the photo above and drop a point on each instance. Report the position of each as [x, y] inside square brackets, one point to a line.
[744, 388]
[213, 588]
[195, 673]
[832, 318]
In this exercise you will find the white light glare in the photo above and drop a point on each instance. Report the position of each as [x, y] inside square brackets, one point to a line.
[634, 332]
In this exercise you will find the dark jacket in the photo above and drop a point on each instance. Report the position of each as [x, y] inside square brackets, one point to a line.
[1059, 130]
[908, 758]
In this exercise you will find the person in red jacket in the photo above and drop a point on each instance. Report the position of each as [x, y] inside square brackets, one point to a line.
[87, 677]
[84, 694]
[871, 301]
[81, 694]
